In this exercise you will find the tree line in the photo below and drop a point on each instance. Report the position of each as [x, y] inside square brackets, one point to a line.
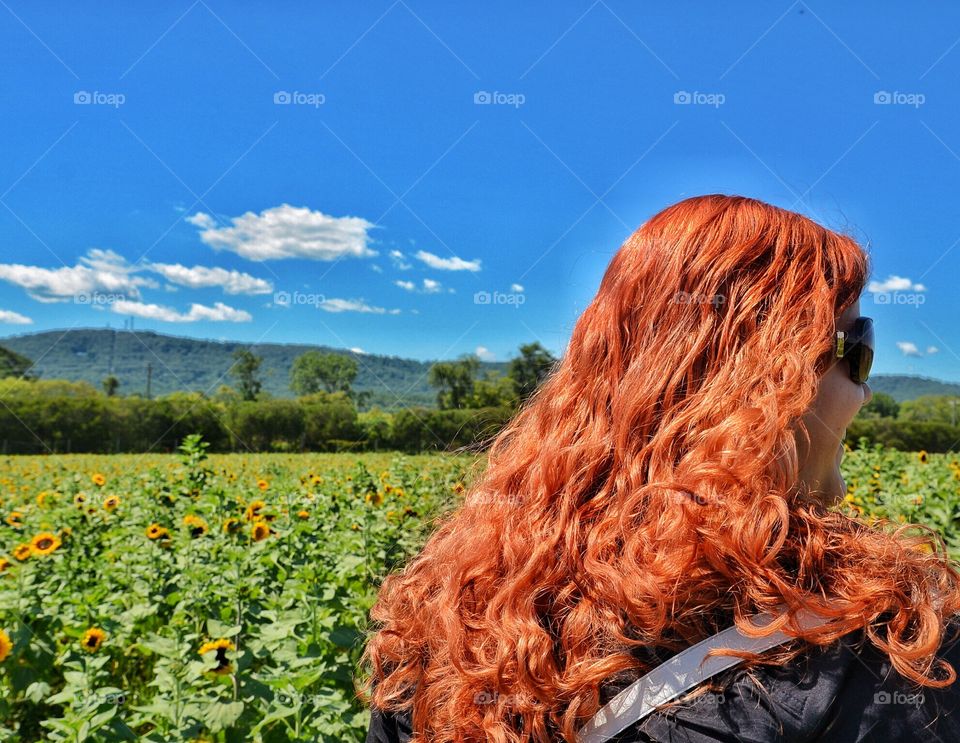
[39, 416]
[48, 416]
[930, 423]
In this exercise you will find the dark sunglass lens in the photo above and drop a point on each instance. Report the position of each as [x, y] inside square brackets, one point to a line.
[866, 362]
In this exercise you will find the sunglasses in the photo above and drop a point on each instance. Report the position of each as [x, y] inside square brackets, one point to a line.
[857, 348]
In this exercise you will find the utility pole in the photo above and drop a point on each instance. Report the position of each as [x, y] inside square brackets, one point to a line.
[149, 377]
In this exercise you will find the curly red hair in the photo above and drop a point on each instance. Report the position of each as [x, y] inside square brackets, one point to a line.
[648, 495]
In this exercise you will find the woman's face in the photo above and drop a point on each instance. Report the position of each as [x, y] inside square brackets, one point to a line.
[837, 402]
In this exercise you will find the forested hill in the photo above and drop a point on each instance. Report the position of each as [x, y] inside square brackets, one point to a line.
[190, 364]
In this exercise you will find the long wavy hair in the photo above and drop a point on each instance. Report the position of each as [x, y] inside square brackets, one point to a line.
[647, 495]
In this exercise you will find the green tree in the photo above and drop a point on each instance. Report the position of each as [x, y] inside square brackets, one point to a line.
[530, 368]
[110, 384]
[494, 390]
[932, 409]
[13, 364]
[322, 372]
[881, 406]
[246, 367]
[454, 381]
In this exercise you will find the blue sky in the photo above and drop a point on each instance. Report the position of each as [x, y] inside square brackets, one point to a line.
[355, 174]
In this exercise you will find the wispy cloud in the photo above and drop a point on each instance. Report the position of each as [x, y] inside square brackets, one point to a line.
[909, 348]
[399, 260]
[99, 271]
[218, 313]
[198, 277]
[106, 272]
[353, 305]
[287, 232]
[447, 264]
[895, 284]
[429, 286]
[485, 354]
[14, 318]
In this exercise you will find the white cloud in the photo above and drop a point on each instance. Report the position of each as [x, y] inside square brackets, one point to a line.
[357, 349]
[14, 318]
[288, 232]
[932, 350]
[430, 286]
[399, 260]
[895, 284]
[99, 271]
[376, 268]
[232, 282]
[516, 288]
[908, 348]
[218, 313]
[353, 305]
[484, 354]
[201, 220]
[448, 264]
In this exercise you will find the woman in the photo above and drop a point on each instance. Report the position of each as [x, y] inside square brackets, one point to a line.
[674, 476]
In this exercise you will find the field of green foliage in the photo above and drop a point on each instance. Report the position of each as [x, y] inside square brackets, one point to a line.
[224, 597]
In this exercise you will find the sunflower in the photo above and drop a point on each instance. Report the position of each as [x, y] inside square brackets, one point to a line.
[98, 479]
[220, 647]
[15, 519]
[253, 510]
[41, 498]
[111, 502]
[79, 499]
[155, 531]
[263, 484]
[375, 498]
[44, 543]
[93, 639]
[22, 551]
[198, 527]
[4, 564]
[316, 479]
[922, 456]
[5, 645]
[260, 531]
[231, 525]
[303, 514]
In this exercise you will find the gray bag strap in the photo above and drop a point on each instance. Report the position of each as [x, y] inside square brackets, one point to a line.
[682, 672]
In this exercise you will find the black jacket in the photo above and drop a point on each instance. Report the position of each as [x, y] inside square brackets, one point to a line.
[846, 693]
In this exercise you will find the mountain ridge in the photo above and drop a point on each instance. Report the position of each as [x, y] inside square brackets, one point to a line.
[184, 363]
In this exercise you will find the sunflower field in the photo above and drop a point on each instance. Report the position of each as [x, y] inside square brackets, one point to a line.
[196, 597]
[200, 597]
